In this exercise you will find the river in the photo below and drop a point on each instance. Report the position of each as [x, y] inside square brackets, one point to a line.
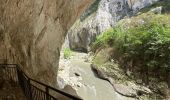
[90, 86]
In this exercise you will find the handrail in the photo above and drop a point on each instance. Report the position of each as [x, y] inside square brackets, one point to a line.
[59, 91]
[28, 88]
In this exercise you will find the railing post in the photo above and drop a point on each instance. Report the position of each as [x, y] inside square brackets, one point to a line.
[30, 90]
[18, 76]
[47, 93]
[29, 87]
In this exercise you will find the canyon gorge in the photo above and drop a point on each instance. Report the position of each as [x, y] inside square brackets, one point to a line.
[79, 46]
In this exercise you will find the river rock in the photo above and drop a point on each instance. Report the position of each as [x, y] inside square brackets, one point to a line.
[68, 89]
[125, 90]
[157, 10]
[77, 74]
[163, 88]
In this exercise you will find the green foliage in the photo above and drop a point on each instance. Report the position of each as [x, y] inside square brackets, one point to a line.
[67, 53]
[148, 42]
[165, 4]
[110, 38]
[93, 8]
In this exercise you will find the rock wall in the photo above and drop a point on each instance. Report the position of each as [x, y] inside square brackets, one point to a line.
[32, 32]
[102, 15]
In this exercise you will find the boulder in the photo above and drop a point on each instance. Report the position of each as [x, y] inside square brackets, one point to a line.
[157, 10]
[125, 90]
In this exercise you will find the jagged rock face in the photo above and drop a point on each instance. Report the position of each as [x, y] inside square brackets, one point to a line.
[32, 32]
[102, 15]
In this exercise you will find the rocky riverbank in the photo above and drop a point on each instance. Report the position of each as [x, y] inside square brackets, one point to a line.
[123, 82]
[77, 73]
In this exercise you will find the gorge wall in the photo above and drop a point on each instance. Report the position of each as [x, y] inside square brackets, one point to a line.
[32, 32]
[102, 15]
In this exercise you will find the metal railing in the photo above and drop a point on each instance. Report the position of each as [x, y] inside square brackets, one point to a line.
[33, 90]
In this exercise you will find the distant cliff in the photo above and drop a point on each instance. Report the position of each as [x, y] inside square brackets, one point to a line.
[102, 15]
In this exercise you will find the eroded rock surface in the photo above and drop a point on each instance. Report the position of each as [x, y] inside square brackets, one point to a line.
[108, 69]
[102, 15]
[32, 32]
[11, 91]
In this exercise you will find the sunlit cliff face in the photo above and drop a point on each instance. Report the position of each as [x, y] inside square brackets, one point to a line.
[32, 32]
[102, 15]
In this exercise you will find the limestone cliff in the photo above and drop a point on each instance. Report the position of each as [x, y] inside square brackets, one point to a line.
[102, 15]
[32, 32]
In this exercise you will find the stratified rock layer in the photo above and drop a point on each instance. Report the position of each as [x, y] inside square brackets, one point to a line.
[32, 32]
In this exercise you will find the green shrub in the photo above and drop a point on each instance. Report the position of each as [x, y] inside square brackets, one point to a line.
[146, 44]
[165, 4]
[67, 53]
[93, 8]
[111, 37]
[150, 42]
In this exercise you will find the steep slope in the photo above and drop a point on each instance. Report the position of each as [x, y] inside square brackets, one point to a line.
[102, 15]
[136, 52]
